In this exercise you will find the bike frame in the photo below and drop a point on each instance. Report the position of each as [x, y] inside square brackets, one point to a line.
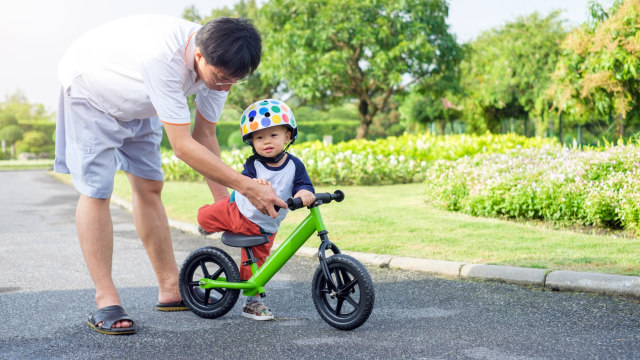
[311, 224]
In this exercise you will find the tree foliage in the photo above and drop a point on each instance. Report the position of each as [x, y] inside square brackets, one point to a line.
[7, 118]
[369, 50]
[507, 70]
[599, 67]
[11, 133]
[257, 85]
[17, 107]
[35, 139]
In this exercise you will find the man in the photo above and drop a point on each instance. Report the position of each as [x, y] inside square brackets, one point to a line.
[122, 82]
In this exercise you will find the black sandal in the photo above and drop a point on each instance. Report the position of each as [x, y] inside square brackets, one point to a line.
[108, 316]
[175, 306]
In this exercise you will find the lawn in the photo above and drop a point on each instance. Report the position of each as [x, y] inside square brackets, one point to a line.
[26, 164]
[394, 220]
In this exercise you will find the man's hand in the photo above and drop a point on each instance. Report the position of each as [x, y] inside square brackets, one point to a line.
[306, 196]
[264, 199]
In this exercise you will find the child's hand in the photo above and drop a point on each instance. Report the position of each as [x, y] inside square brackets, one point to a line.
[306, 196]
[262, 181]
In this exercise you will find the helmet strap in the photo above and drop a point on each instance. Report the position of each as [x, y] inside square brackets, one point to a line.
[272, 159]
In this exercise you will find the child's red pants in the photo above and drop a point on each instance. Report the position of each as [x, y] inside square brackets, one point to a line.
[225, 216]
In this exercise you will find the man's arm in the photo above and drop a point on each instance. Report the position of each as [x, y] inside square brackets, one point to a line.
[204, 161]
[204, 132]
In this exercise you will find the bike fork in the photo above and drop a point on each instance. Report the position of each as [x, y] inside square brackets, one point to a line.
[324, 245]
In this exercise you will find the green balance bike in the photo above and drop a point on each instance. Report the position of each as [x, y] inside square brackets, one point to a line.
[342, 289]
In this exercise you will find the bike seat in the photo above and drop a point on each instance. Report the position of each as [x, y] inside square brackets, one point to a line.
[239, 240]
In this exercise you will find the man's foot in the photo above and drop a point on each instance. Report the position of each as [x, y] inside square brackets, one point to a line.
[257, 311]
[174, 306]
[104, 320]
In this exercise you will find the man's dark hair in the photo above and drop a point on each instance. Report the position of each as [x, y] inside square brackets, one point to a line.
[232, 44]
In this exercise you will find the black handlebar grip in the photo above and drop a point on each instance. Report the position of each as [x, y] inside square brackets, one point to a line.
[292, 204]
[338, 196]
[296, 203]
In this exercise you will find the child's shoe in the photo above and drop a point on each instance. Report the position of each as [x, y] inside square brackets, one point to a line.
[203, 232]
[257, 311]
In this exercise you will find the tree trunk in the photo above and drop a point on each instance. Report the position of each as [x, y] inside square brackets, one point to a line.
[580, 135]
[560, 133]
[363, 130]
[365, 120]
[550, 125]
[620, 127]
[4, 146]
[526, 125]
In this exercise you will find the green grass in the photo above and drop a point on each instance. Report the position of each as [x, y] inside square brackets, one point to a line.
[25, 164]
[394, 220]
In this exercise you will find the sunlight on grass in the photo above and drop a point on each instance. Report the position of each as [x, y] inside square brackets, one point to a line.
[26, 164]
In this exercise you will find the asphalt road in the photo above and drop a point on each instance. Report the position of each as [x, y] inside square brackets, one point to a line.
[46, 296]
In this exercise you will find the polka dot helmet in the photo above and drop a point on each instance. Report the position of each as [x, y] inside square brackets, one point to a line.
[267, 113]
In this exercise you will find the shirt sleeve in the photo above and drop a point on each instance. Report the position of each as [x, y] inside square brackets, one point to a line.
[301, 178]
[210, 103]
[164, 86]
[249, 168]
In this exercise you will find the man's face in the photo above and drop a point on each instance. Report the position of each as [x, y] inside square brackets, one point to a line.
[213, 77]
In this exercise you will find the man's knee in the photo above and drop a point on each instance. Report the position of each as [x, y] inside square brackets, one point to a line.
[154, 186]
[145, 187]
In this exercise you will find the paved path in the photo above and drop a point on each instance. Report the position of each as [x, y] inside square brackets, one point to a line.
[46, 296]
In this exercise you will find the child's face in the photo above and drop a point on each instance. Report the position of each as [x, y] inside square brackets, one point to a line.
[270, 141]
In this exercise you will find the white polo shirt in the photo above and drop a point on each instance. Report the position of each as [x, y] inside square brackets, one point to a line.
[139, 67]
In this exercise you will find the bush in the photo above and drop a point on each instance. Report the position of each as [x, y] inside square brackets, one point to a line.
[35, 139]
[235, 141]
[560, 184]
[392, 160]
[44, 126]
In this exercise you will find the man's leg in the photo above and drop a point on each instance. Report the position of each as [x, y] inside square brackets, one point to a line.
[95, 232]
[152, 226]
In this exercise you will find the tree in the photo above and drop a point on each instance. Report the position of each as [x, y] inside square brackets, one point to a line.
[7, 118]
[366, 50]
[191, 13]
[10, 134]
[257, 85]
[507, 70]
[17, 105]
[598, 72]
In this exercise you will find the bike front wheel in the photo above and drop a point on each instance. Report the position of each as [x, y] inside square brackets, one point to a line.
[212, 263]
[351, 303]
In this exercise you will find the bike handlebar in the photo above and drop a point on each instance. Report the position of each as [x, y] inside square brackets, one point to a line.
[321, 198]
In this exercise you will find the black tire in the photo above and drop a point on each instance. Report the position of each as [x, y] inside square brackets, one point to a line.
[212, 263]
[351, 305]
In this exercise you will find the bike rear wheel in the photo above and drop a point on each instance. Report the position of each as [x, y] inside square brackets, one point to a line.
[350, 305]
[212, 263]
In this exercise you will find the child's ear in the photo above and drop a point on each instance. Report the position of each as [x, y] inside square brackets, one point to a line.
[288, 136]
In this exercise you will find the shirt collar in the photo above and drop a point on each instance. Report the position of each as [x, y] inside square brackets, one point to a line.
[189, 54]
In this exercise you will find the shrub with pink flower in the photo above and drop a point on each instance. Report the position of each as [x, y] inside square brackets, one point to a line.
[591, 187]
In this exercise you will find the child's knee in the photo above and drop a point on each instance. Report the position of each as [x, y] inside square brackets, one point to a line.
[203, 215]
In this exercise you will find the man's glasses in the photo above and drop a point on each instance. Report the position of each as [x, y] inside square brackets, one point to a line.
[222, 81]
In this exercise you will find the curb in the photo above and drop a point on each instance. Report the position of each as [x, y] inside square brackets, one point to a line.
[603, 283]
[546, 279]
[509, 274]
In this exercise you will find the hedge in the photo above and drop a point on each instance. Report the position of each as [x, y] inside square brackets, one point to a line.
[341, 130]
